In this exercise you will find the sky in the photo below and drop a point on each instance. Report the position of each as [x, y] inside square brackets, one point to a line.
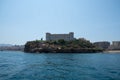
[27, 20]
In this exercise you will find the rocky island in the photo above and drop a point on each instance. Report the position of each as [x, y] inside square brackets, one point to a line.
[61, 46]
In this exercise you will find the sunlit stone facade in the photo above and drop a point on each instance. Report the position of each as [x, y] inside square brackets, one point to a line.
[66, 37]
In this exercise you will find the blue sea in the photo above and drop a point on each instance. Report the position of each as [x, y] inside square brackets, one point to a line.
[15, 65]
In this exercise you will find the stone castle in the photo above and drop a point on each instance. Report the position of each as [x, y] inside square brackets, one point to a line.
[70, 36]
[66, 37]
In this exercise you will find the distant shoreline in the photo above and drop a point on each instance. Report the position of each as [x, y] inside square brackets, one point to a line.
[113, 51]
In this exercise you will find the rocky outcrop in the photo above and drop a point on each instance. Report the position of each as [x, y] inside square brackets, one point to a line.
[76, 46]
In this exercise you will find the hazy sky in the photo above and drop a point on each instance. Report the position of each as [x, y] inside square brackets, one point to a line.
[26, 20]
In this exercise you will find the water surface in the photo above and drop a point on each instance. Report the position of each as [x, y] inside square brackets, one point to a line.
[26, 66]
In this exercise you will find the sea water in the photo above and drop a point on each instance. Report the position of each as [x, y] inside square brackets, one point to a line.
[15, 65]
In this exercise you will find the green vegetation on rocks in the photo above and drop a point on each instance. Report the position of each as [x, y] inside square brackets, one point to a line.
[61, 46]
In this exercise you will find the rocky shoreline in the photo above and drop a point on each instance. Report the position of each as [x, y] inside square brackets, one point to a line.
[39, 50]
[112, 51]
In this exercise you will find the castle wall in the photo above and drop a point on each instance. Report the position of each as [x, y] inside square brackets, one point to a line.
[66, 37]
